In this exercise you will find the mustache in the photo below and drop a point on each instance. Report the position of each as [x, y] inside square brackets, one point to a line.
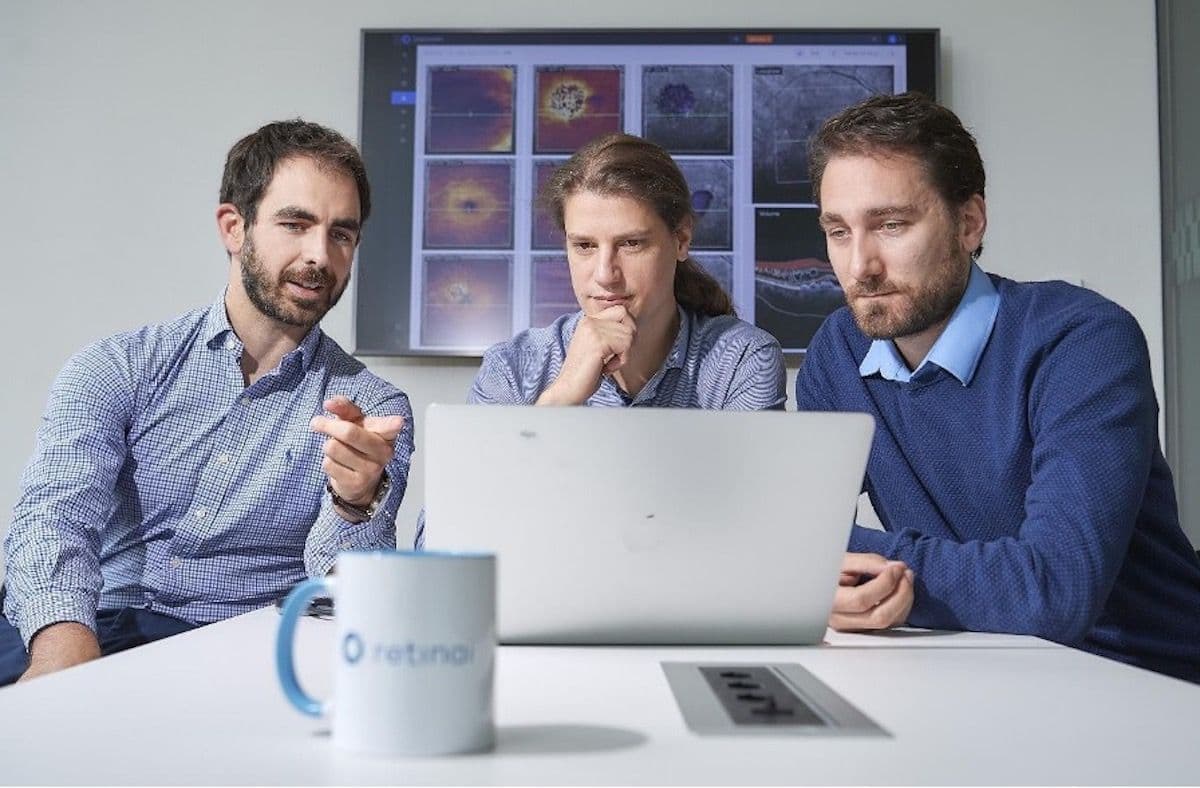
[311, 277]
[870, 287]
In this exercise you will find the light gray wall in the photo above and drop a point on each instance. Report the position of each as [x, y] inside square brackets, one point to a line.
[115, 118]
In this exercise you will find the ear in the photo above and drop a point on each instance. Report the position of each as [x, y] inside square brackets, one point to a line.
[231, 227]
[683, 238]
[972, 223]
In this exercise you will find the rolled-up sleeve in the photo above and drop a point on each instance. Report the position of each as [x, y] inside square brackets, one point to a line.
[68, 491]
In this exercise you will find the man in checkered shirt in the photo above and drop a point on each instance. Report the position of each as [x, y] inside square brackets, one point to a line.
[189, 471]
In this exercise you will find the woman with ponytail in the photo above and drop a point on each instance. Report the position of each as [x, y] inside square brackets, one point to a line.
[654, 329]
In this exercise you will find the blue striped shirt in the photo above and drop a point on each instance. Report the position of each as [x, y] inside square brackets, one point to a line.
[160, 481]
[717, 363]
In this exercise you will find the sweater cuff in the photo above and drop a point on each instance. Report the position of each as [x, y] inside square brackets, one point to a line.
[871, 540]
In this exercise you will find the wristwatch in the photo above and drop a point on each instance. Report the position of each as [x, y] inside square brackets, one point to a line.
[364, 513]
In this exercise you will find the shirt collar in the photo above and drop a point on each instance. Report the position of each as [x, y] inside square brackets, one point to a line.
[217, 332]
[308, 348]
[216, 328]
[960, 345]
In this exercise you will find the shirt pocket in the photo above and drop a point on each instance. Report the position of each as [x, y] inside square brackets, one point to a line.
[295, 483]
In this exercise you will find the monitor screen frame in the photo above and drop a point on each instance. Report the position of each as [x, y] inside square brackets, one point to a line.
[380, 291]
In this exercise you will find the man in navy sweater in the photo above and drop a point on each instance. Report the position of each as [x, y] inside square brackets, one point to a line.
[1016, 465]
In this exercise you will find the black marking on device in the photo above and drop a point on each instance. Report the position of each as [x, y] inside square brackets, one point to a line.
[755, 695]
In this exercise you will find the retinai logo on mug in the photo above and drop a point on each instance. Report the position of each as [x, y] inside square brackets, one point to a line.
[409, 678]
[352, 648]
[408, 654]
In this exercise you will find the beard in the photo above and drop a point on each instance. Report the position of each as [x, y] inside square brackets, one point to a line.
[927, 304]
[270, 299]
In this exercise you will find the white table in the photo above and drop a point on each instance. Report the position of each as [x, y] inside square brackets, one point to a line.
[205, 707]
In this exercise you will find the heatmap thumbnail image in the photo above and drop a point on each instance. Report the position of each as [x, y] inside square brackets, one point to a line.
[468, 205]
[546, 234]
[551, 294]
[470, 109]
[466, 301]
[575, 105]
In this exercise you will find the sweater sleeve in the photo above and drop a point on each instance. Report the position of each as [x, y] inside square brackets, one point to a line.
[1092, 417]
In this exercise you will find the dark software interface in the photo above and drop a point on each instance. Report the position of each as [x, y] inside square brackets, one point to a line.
[461, 129]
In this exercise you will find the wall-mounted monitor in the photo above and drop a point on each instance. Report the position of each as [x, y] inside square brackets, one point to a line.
[460, 129]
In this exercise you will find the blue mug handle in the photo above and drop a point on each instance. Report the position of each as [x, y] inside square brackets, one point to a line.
[294, 607]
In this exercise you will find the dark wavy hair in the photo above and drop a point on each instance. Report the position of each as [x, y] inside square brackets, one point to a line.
[909, 123]
[622, 164]
[252, 160]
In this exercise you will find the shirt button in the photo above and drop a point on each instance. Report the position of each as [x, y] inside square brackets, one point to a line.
[230, 344]
[200, 513]
[176, 562]
[244, 400]
[346, 545]
[222, 458]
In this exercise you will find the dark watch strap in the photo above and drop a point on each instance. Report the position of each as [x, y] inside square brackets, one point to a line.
[362, 512]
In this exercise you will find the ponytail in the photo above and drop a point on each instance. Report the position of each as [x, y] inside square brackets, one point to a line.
[697, 291]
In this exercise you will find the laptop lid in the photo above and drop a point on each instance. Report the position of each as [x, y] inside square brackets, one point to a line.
[643, 525]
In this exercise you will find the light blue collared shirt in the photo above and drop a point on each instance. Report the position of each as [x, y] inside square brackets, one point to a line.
[958, 348]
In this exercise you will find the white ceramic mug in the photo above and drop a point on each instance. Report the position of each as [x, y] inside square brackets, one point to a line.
[415, 651]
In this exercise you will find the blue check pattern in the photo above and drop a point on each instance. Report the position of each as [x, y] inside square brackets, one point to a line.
[160, 481]
[718, 363]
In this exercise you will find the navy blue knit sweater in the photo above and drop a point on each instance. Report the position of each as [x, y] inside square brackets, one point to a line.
[1036, 499]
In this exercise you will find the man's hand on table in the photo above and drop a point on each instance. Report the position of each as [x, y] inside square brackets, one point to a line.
[873, 593]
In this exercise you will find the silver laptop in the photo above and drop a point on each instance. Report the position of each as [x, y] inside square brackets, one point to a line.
[654, 526]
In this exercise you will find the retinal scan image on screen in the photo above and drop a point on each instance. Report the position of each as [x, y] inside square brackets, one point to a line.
[711, 184]
[689, 109]
[470, 110]
[461, 130]
[465, 299]
[552, 293]
[790, 104]
[575, 104]
[468, 204]
[546, 232]
[794, 285]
